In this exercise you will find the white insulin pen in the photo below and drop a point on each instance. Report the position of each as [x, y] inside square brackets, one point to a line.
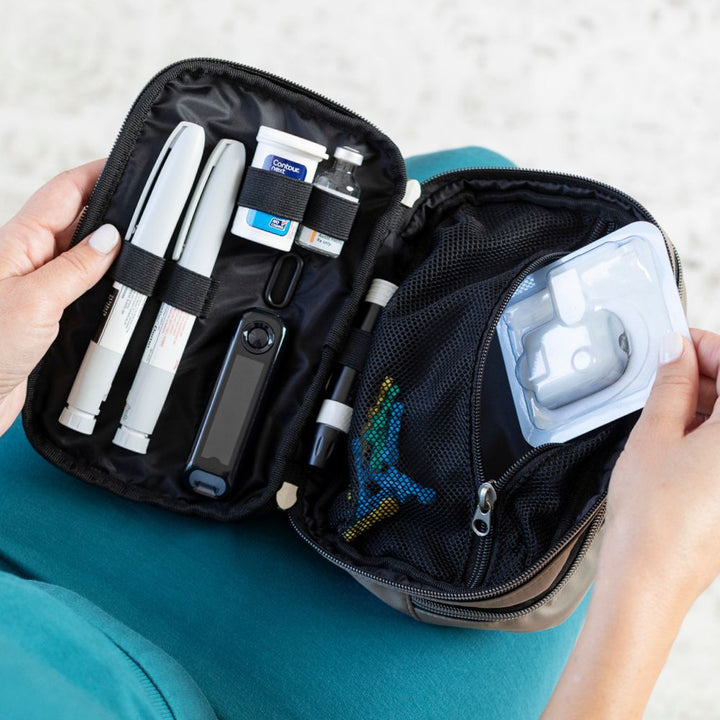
[151, 228]
[200, 238]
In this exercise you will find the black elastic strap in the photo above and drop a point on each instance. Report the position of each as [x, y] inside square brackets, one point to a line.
[274, 193]
[330, 214]
[356, 349]
[136, 268]
[187, 290]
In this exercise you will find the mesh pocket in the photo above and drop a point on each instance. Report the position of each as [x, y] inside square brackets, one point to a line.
[413, 488]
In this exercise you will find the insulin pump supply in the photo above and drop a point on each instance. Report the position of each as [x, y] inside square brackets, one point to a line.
[580, 337]
[291, 156]
[151, 227]
[339, 181]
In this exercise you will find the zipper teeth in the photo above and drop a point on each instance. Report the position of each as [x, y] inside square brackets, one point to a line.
[147, 97]
[672, 251]
[548, 174]
[482, 555]
[476, 615]
[439, 594]
[492, 325]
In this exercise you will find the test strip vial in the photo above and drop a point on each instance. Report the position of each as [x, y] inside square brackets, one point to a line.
[291, 156]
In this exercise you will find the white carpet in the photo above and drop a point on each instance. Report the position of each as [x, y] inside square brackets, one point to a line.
[622, 92]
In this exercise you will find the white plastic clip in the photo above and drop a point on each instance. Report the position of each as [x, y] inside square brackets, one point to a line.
[412, 193]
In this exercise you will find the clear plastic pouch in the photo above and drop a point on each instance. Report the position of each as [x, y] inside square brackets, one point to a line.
[580, 337]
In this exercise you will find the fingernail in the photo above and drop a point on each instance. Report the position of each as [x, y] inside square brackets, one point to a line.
[104, 239]
[671, 347]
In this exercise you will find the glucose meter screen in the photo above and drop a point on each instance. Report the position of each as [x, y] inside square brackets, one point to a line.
[232, 412]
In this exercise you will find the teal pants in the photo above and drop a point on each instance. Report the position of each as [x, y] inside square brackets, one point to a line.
[108, 608]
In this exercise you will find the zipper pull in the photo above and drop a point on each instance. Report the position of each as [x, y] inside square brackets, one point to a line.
[486, 499]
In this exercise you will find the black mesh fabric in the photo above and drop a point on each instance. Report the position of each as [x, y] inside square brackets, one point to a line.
[413, 455]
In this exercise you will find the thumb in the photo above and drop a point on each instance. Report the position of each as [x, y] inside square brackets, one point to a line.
[671, 407]
[73, 272]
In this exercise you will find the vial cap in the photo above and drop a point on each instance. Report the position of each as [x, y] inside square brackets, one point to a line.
[349, 154]
[279, 137]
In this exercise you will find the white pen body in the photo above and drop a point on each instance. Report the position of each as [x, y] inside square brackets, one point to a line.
[151, 229]
[154, 377]
[205, 229]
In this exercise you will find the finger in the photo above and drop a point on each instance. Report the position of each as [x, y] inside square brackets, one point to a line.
[72, 273]
[671, 407]
[30, 238]
[57, 204]
[64, 237]
[707, 395]
[707, 347]
[11, 405]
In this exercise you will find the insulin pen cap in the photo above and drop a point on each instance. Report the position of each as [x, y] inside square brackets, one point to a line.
[79, 420]
[131, 440]
[349, 154]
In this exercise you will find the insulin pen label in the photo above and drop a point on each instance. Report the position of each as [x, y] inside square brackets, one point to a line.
[271, 223]
[120, 315]
[168, 338]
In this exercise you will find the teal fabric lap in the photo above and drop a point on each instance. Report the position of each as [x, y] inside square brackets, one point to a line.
[265, 627]
[63, 658]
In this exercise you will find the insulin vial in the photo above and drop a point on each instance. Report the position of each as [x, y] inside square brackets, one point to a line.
[338, 180]
[289, 155]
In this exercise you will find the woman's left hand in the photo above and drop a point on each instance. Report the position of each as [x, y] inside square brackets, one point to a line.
[40, 276]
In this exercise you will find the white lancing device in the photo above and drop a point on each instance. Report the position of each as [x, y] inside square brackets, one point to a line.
[198, 245]
[151, 227]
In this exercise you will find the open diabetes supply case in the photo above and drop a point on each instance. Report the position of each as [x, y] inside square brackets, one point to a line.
[435, 503]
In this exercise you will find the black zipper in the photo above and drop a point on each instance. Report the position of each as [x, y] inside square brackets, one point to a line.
[475, 615]
[550, 175]
[133, 122]
[445, 595]
[488, 489]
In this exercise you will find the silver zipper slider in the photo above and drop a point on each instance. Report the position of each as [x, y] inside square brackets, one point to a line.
[486, 499]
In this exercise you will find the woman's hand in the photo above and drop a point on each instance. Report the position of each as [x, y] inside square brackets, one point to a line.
[663, 515]
[662, 539]
[40, 277]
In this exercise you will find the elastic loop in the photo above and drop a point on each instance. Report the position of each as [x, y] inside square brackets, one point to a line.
[274, 193]
[136, 268]
[356, 349]
[187, 290]
[330, 214]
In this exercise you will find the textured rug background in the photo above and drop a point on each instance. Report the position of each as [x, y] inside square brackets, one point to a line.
[626, 93]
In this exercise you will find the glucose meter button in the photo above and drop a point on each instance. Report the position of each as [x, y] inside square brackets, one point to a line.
[258, 337]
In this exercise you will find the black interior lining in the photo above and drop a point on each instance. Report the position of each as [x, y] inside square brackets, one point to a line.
[227, 103]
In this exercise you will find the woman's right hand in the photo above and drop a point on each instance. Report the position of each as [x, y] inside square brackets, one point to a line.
[663, 515]
[661, 546]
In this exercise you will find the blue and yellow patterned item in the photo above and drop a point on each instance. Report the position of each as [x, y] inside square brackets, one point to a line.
[382, 487]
